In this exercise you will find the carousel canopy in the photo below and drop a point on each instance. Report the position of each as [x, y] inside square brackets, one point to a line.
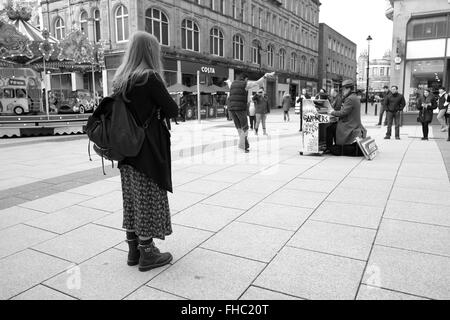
[29, 31]
[178, 88]
[215, 88]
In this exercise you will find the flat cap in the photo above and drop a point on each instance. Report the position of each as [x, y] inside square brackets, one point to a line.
[348, 83]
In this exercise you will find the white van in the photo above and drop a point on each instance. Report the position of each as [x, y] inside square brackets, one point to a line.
[14, 99]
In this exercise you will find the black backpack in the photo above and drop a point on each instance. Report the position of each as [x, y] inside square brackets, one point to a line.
[114, 132]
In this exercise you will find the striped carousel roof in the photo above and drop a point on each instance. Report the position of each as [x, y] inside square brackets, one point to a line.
[31, 32]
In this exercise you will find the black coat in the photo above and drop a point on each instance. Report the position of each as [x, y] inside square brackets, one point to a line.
[426, 105]
[395, 102]
[154, 159]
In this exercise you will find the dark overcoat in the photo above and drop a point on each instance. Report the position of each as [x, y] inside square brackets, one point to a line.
[349, 126]
[426, 105]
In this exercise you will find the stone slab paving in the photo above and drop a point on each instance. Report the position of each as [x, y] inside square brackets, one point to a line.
[264, 225]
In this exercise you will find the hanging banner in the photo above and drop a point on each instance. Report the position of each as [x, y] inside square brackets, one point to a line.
[76, 47]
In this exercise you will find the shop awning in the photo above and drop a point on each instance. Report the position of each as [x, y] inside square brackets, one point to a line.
[203, 89]
[215, 88]
[176, 88]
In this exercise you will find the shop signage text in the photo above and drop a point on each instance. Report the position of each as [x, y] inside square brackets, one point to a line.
[208, 70]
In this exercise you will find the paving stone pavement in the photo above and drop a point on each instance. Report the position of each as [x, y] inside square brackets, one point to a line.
[270, 224]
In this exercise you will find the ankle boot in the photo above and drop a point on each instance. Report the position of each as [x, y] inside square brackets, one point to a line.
[133, 252]
[151, 257]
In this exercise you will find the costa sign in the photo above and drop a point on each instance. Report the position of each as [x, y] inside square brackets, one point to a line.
[207, 70]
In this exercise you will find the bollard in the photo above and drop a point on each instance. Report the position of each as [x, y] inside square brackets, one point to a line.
[376, 108]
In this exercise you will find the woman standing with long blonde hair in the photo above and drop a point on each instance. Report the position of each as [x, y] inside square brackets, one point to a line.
[146, 178]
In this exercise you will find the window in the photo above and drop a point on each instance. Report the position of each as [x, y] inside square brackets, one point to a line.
[303, 65]
[330, 43]
[293, 62]
[84, 21]
[238, 48]
[256, 56]
[312, 65]
[8, 93]
[260, 17]
[216, 42]
[270, 55]
[190, 35]
[427, 28]
[382, 72]
[234, 9]
[282, 59]
[97, 34]
[253, 16]
[121, 23]
[59, 28]
[157, 24]
[222, 6]
[21, 93]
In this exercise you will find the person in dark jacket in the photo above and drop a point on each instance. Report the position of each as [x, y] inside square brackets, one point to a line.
[426, 104]
[395, 103]
[443, 101]
[287, 104]
[262, 108]
[336, 104]
[237, 105]
[349, 126]
[383, 97]
[147, 177]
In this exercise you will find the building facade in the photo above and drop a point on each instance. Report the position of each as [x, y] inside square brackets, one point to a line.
[379, 72]
[337, 58]
[219, 38]
[420, 46]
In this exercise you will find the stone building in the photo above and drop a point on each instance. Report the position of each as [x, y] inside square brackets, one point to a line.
[420, 46]
[220, 38]
[379, 72]
[337, 58]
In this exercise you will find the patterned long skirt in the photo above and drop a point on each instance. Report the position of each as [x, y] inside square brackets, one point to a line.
[145, 205]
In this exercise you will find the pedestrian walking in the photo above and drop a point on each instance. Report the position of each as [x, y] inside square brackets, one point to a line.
[304, 96]
[395, 103]
[146, 178]
[383, 97]
[252, 113]
[237, 106]
[426, 104]
[262, 109]
[287, 104]
[443, 101]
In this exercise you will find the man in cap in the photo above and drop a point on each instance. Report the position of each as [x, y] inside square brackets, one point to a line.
[349, 126]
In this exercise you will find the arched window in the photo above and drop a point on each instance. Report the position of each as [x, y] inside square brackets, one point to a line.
[190, 35]
[84, 21]
[270, 55]
[59, 28]
[238, 48]
[256, 56]
[121, 17]
[312, 65]
[216, 42]
[303, 65]
[293, 62]
[157, 24]
[97, 34]
[282, 59]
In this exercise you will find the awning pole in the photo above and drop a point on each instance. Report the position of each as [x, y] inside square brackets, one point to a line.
[46, 91]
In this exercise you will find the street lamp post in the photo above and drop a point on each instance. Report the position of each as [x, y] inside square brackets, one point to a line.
[326, 77]
[369, 38]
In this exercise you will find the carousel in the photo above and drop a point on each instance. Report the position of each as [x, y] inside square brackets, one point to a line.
[28, 57]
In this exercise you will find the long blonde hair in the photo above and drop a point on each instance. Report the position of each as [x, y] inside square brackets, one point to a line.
[141, 59]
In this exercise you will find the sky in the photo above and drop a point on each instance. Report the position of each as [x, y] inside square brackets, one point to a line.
[356, 20]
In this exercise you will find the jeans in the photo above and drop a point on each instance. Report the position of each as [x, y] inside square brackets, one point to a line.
[286, 116]
[260, 117]
[425, 129]
[380, 121]
[241, 123]
[252, 122]
[391, 116]
[441, 118]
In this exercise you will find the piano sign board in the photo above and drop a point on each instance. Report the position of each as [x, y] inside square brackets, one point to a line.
[311, 121]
